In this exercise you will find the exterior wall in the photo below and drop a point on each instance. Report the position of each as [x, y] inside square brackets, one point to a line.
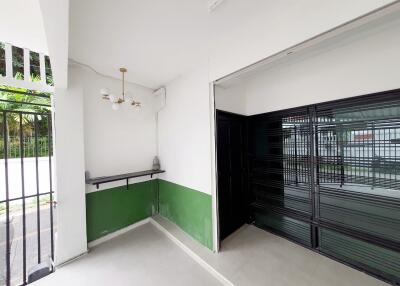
[14, 176]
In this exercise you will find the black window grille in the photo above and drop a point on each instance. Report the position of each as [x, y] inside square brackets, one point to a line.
[328, 176]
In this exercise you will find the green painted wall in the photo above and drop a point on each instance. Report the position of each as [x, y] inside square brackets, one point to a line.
[112, 209]
[191, 210]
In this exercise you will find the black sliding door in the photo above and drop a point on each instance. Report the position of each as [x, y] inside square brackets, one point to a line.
[358, 180]
[328, 177]
[280, 173]
[232, 206]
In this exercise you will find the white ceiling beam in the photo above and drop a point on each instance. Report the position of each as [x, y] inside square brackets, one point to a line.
[37, 86]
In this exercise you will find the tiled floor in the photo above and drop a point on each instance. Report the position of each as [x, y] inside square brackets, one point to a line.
[141, 257]
[251, 256]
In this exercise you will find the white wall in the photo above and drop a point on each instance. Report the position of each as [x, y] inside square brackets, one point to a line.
[14, 176]
[364, 61]
[231, 99]
[184, 132]
[55, 17]
[91, 136]
[21, 24]
[244, 32]
[70, 167]
[240, 33]
[116, 142]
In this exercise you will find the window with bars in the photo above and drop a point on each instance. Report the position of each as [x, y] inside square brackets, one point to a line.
[34, 66]
[18, 62]
[13, 60]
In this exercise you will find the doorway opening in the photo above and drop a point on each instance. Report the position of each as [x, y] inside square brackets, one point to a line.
[326, 176]
[27, 219]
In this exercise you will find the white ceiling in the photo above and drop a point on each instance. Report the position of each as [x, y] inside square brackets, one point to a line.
[21, 24]
[159, 40]
[156, 40]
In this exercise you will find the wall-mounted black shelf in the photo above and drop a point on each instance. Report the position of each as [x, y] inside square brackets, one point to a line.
[107, 179]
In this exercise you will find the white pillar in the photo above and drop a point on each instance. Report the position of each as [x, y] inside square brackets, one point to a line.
[27, 67]
[9, 66]
[69, 174]
[42, 69]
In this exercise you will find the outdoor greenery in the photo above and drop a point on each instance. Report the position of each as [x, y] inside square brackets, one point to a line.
[18, 64]
[2, 60]
[11, 100]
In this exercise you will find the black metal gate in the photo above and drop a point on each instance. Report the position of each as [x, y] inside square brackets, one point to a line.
[328, 176]
[26, 193]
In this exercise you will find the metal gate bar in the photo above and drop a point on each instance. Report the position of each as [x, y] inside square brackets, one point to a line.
[38, 128]
[23, 197]
[8, 271]
[37, 190]
[50, 140]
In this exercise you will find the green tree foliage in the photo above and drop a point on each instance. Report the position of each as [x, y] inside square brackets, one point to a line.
[14, 99]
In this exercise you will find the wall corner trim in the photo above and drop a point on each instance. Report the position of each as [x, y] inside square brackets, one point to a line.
[62, 264]
[192, 254]
[117, 233]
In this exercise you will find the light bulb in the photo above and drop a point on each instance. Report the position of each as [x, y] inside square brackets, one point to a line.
[129, 99]
[113, 98]
[104, 91]
[115, 106]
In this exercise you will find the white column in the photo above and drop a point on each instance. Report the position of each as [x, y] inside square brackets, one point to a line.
[27, 66]
[42, 69]
[70, 174]
[9, 66]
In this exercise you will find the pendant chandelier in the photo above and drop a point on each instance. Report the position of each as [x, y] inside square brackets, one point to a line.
[118, 100]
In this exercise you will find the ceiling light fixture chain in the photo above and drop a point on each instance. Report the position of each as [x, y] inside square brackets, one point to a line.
[116, 101]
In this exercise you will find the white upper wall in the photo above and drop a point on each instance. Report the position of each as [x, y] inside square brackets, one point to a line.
[121, 141]
[55, 14]
[244, 32]
[184, 132]
[362, 61]
[231, 99]
[21, 24]
[240, 33]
